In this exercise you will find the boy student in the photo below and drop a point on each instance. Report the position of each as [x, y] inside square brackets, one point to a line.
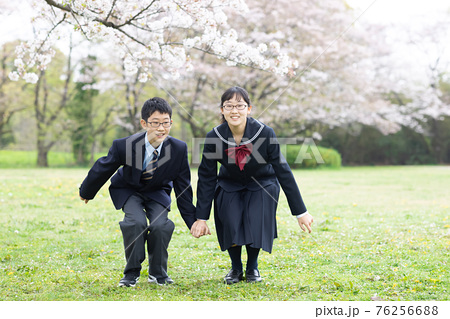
[148, 165]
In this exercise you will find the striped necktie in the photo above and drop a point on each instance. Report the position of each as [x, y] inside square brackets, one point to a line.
[147, 173]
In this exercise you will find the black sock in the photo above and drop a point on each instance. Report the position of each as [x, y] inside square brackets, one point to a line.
[235, 255]
[252, 257]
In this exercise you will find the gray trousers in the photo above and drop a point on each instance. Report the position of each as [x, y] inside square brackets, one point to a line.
[136, 232]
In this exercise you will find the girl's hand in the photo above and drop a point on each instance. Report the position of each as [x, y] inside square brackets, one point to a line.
[306, 222]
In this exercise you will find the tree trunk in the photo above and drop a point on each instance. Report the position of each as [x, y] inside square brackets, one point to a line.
[42, 158]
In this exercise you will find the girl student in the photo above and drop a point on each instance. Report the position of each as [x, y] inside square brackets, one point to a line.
[246, 189]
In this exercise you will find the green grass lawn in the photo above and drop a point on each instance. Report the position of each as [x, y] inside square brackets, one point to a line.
[28, 159]
[379, 232]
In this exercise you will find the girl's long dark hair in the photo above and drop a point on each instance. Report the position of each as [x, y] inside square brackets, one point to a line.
[240, 93]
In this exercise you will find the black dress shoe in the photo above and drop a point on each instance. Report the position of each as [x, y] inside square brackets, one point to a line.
[233, 277]
[252, 275]
[129, 280]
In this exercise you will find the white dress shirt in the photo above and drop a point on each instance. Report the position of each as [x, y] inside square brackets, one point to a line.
[149, 149]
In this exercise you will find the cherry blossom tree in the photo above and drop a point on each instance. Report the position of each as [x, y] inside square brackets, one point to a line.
[347, 74]
[333, 85]
[340, 71]
[424, 96]
[146, 32]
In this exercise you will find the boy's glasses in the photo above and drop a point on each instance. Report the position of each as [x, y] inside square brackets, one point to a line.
[157, 124]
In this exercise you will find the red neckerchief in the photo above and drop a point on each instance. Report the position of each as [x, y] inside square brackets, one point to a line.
[240, 154]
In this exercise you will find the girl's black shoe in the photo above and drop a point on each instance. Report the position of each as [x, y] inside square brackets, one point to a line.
[233, 277]
[252, 275]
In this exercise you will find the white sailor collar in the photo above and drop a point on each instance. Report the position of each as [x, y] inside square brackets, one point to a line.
[253, 129]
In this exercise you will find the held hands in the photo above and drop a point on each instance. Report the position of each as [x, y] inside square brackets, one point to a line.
[200, 228]
[306, 221]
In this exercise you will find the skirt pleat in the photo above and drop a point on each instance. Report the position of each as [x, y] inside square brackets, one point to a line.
[246, 217]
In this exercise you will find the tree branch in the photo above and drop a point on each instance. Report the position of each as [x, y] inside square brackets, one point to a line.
[106, 23]
[111, 10]
[136, 15]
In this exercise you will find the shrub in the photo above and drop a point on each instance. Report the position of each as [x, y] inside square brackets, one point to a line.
[297, 158]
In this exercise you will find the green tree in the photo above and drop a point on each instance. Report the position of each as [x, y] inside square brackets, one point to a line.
[14, 97]
[80, 109]
[51, 96]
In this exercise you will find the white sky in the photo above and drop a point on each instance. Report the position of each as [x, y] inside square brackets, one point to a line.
[400, 11]
[15, 21]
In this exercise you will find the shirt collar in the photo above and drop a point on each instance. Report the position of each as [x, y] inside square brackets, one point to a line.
[252, 130]
[149, 148]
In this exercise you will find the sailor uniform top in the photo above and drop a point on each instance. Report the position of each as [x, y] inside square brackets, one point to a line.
[253, 164]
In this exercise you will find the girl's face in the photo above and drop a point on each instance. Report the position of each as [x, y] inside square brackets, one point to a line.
[236, 111]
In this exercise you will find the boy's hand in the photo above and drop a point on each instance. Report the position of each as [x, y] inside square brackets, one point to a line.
[200, 228]
[85, 200]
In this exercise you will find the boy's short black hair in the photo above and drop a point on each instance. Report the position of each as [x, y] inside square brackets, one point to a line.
[155, 104]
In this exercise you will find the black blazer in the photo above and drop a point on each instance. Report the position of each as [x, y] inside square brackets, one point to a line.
[126, 156]
[265, 166]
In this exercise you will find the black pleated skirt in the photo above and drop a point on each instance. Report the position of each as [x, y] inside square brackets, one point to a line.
[247, 217]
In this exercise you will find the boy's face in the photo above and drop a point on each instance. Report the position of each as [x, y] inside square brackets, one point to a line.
[156, 135]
